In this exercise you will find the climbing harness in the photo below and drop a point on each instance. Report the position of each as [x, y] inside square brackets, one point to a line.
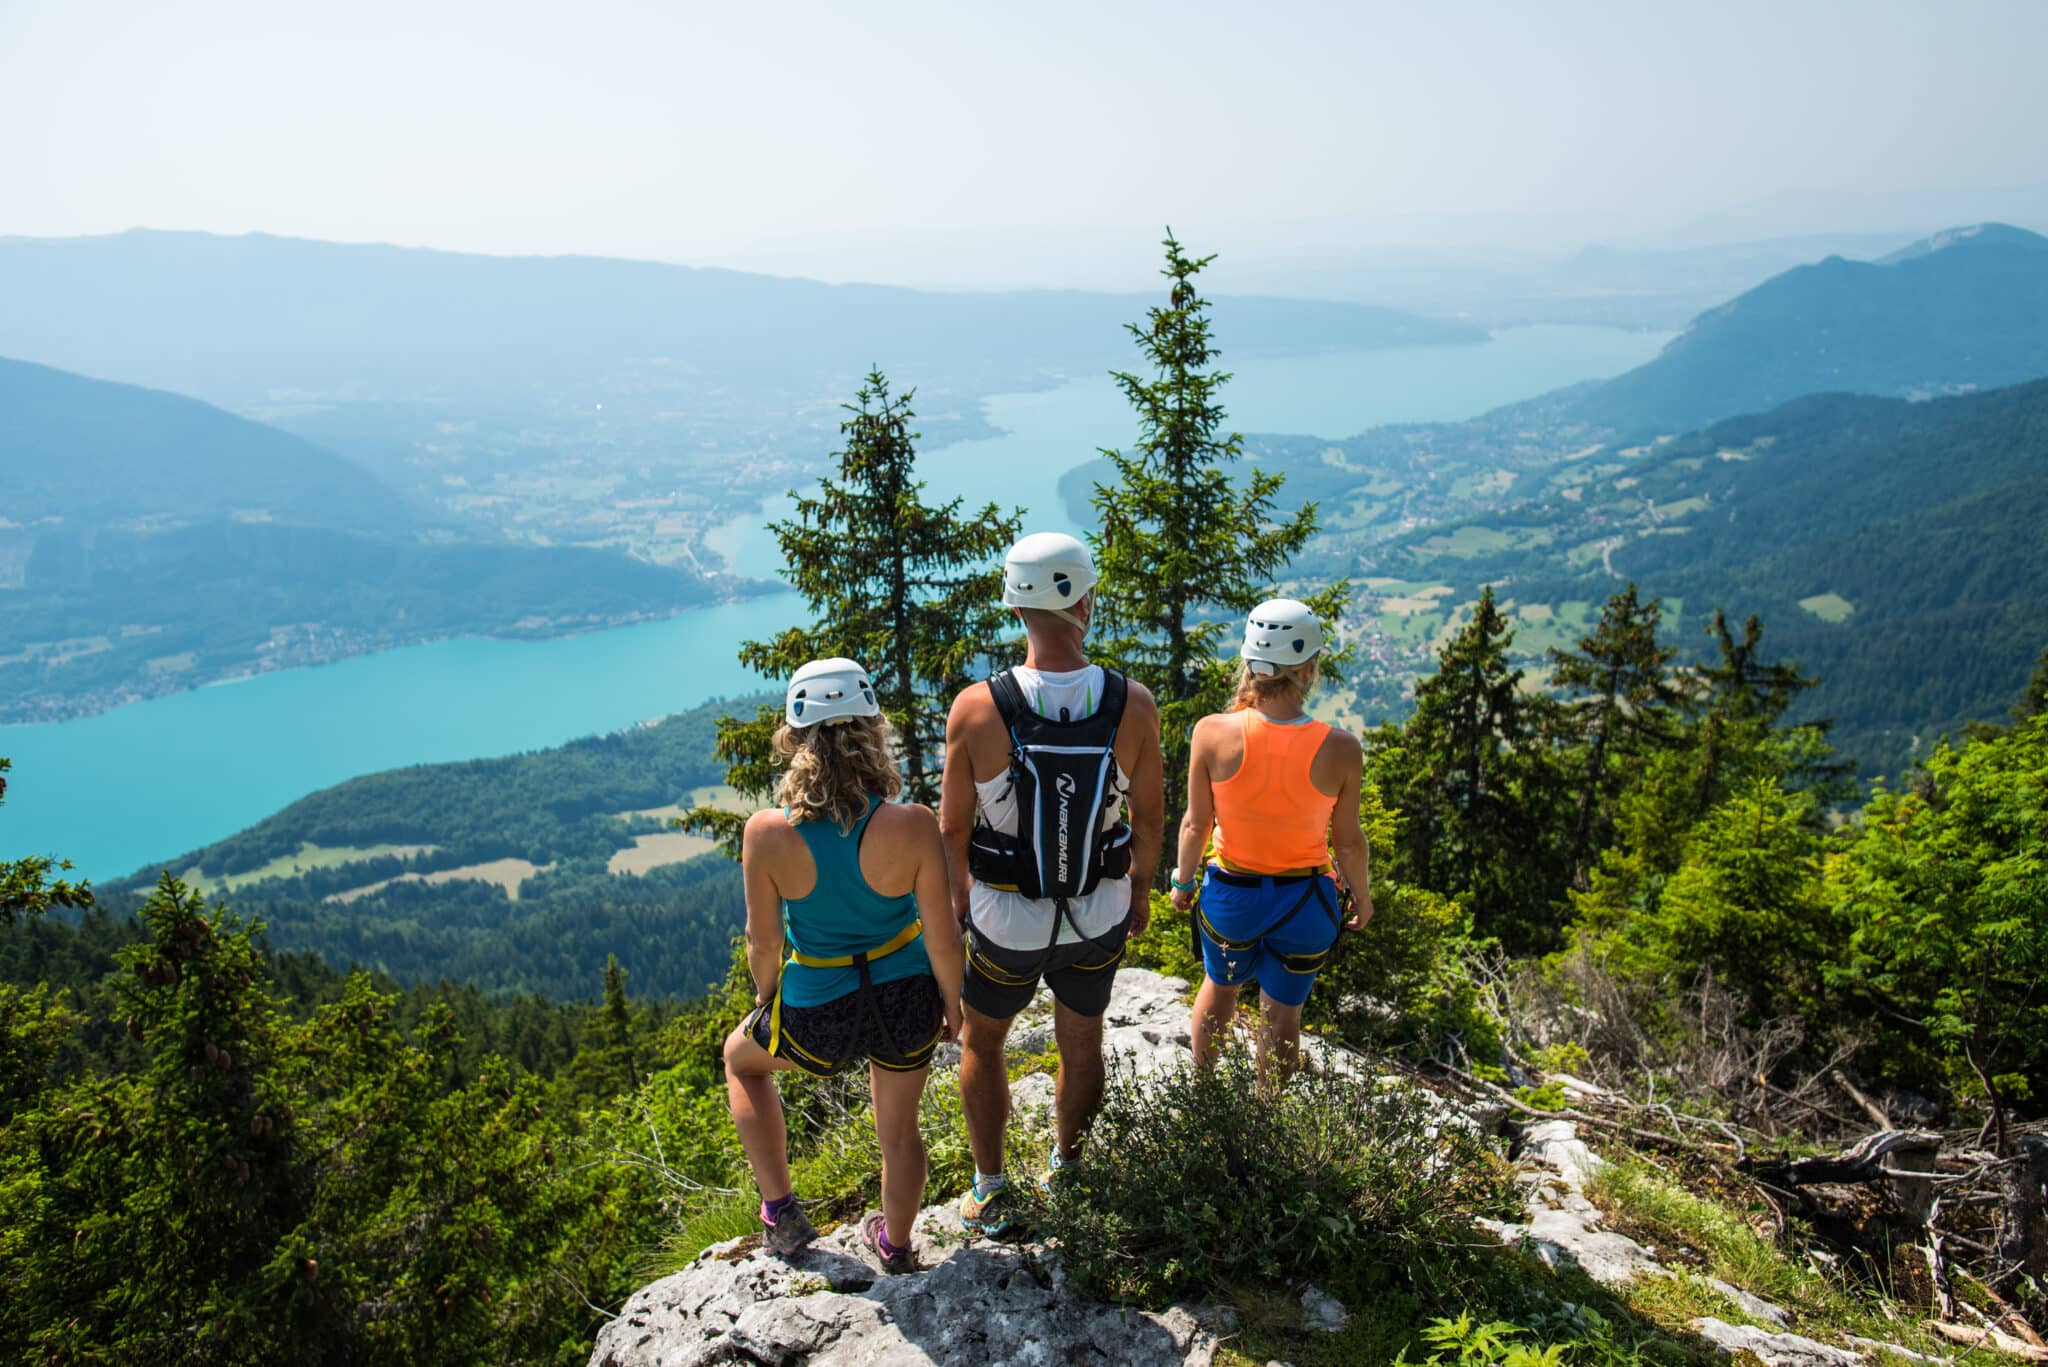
[1312, 891]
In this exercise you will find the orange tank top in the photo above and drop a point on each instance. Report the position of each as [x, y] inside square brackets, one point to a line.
[1270, 818]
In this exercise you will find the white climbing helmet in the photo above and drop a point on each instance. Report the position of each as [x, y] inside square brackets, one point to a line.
[829, 690]
[1048, 570]
[1281, 631]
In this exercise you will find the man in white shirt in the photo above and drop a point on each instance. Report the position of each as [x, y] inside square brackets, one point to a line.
[1052, 812]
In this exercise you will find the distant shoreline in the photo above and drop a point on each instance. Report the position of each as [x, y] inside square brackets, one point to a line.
[100, 702]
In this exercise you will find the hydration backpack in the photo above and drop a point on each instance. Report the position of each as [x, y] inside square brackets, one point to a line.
[1063, 775]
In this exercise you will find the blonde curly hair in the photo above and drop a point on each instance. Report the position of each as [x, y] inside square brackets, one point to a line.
[1286, 682]
[834, 766]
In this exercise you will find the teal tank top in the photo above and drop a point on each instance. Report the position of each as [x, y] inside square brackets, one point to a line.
[843, 915]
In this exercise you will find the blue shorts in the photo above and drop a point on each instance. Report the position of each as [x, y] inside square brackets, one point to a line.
[1289, 926]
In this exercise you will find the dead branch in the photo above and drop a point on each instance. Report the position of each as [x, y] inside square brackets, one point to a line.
[1870, 1108]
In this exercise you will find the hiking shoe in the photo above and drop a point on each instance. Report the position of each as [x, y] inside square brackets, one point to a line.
[902, 1260]
[1055, 1170]
[990, 1216]
[789, 1234]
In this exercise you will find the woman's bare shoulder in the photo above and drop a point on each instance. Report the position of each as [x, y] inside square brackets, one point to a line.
[908, 818]
[768, 825]
[1343, 745]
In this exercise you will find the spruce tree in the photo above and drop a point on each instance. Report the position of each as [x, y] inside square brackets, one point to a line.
[1471, 778]
[2033, 702]
[911, 590]
[1182, 545]
[617, 1053]
[1743, 698]
[1620, 706]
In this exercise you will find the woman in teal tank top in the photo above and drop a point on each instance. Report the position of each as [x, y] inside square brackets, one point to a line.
[852, 945]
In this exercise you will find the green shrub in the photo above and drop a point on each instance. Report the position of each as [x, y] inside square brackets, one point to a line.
[1568, 1056]
[1167, 946]
[1548, 1097]
[1463, 1343]
[1192, 1183]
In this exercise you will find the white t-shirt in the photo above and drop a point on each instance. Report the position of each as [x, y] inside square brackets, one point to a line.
[1011, 919]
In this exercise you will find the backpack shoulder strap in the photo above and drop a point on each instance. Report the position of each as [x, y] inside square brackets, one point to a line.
[1116, 690]
[1009, 698]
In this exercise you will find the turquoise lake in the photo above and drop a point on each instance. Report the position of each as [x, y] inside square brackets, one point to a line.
[156, 779]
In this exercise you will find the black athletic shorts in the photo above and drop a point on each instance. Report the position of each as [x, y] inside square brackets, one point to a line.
[1002, 981]
[899, 1032]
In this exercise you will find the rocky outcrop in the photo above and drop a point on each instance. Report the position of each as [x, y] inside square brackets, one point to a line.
[974, 1302]
[1561, 1225]
[831, 1306]
[1008, 1305]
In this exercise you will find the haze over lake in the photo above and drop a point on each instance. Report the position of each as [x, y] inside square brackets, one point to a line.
[149, 781]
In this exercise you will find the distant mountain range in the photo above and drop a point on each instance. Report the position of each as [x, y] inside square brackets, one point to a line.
[1632, 287]
[261, 319]
[1965, 309]
[1891, 537]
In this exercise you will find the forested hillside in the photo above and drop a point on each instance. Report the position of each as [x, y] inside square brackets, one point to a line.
[83, 454]
[1892, 541]
[1894, 548]
[498, 873]
[1966, 310]
[152, 543]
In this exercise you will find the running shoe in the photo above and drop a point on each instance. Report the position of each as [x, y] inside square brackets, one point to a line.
[1055, 1165]
[789, 1234]
[902, 1260]
[989, 1216]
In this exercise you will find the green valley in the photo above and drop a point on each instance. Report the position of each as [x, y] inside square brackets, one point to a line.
[513, 874]
[152, 543]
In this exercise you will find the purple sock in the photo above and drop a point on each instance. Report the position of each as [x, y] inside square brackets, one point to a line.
[889, 1250]
[771, 1211]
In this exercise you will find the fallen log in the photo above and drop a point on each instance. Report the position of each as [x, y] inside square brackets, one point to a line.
[1895, 1156]
[1988, 1337]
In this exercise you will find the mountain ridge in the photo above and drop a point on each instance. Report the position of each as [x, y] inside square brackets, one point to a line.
[80, 449]
[1963, 309]
[212, 315]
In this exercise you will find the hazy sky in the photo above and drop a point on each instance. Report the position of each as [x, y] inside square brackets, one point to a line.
[969, 142]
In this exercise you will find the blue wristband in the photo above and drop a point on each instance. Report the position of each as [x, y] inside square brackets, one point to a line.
[1179, 886]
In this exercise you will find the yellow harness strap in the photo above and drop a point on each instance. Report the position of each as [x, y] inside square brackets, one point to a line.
[880, 951]
[1293, 963]
[895, 942]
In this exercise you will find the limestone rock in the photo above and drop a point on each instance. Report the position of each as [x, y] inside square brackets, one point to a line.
[973, 1302]
[1321, 1310]
[1775, 1350]
[1755, 1305]
[1555, 1145]
[830, 1306]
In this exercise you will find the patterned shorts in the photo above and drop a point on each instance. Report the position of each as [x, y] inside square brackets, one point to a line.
[899, 1030]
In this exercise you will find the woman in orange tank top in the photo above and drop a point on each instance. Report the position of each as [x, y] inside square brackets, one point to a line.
[1273, 793]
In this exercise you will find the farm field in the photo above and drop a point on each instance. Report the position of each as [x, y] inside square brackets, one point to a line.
[507, 874]
[649, 852]
[308, 858]
[1829, 607]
